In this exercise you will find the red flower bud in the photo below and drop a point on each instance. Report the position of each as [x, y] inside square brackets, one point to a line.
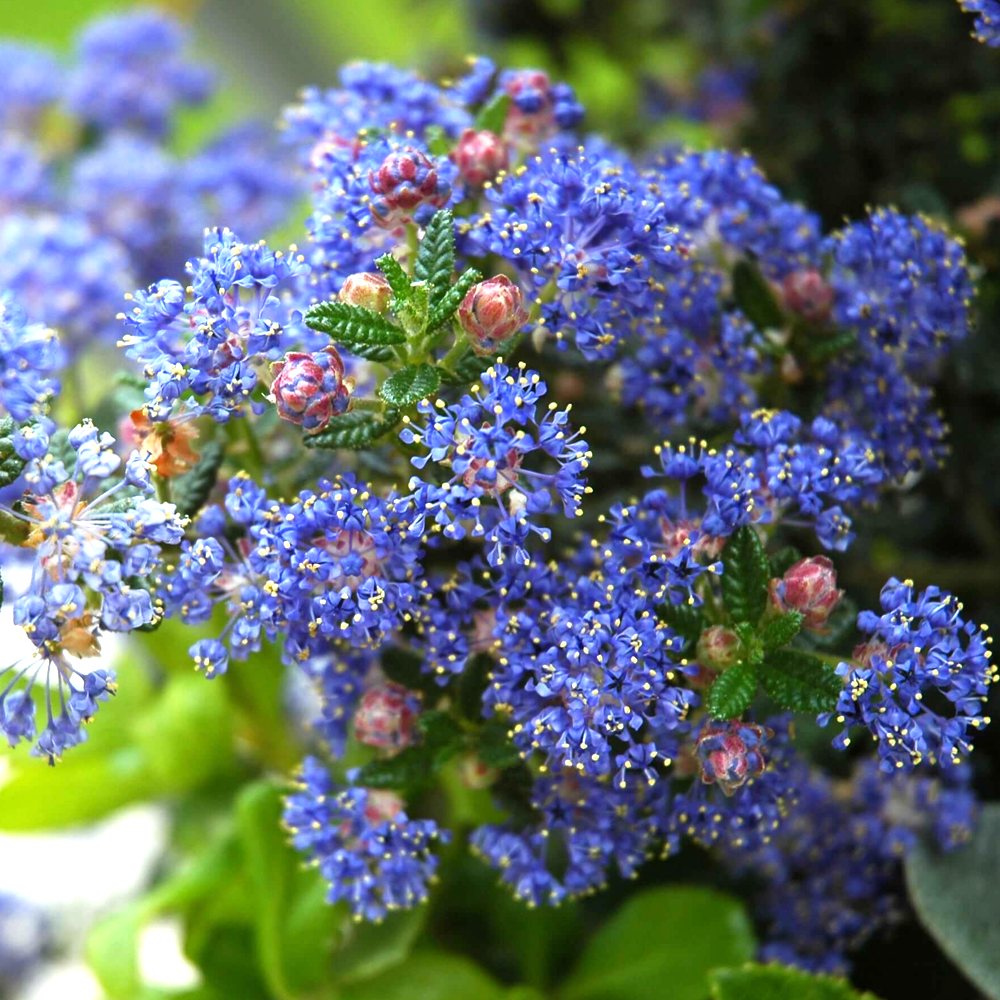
[718, 647]
[731, 753]
[810, 586]
[479, 156]
[491, 312]
[385, 717]
[407, 180]
[809, 294]
[308, 389]
[371, 291]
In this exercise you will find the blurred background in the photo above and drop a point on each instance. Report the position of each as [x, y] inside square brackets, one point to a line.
[843, 104]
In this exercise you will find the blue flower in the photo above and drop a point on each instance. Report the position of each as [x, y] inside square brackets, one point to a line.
[987, 24]
[29, 356]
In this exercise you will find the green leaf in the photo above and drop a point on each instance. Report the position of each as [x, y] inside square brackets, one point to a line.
[435, 261]
[467, 369]
[754, 297]
[661, 943]
[436, 140]
[272, 867]
[405, 667]
[452, 298]
[410, 384]
[825, 348]
[368, 950]
[443, 736]
[472, 684]
[784, 559]
[191, 491]
[952, 896]
[732, 692]
[800, 682]
[399, 280]
[376, 353]
[839, 631]
[353, 326]
[428, 975]
[745, 575]
[780, 631]
[778, 982]
[409, 770]
[353, 430]
[11, 464]
[685, 619]
[493, 116]
[495, 748]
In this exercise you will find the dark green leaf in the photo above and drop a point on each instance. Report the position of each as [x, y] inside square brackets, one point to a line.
[408, 770]
[404, 667]
[443, 736]
[399, 280]
[685, 619]
[369, 949]
[472, 685]
[495, 748]
[467, 369]
[733, 691]
[745, 575]
[452, 298]
[410, 384]
[191, 490]
[952, 896]
[435, 261]
[778, 982]
[428, 975]
[839, 631]
[132, 380]
[11, 464]
[661, 944]
[493, 116]
[780, 631]
[825, 348]
[353, 430]
[353, 326]
[784, 559]
[800, 682]
[754, 297]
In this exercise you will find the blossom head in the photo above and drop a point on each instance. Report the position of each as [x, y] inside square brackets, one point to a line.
[718, 647]
[406, 181]
[370, 291]
[810, 587]
[309, 389]
[807, 293]
[479, 156]
[385, 717]
[491, 312]
[731, 753]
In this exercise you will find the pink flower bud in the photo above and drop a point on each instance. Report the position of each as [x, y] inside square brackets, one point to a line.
[308, 389]
[809, 294]
[479, 156]
[810, 586]
[385, 717]
[731, 753]
[382, 806]
[407, 180]
[491, 312]
[370, 291]
[718, 647]
[474, 774]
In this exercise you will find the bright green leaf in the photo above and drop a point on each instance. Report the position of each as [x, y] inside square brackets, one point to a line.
[353, 326]
[11, 464]
[428, 975]
[410, 384]
[953, 899]
[780, 631]
[745, 575]
[493, 116]
[732, 692]
[435, 261]
[778, 982]
[799, 682]
[662, 943]
[354, 430]
[754, 297]
[399, 280]
[452, 298]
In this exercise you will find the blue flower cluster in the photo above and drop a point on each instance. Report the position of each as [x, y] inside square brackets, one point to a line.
[96, 540]
[987, 24]
[29, 356]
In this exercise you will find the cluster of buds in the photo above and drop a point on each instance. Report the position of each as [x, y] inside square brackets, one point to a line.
[479, 156]
[810, 587]
[385, 717]
[309, 389]
[731, 753]
[406, 181]
[808, 294]
[491, 312]
[718, 647]
[538, 107]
